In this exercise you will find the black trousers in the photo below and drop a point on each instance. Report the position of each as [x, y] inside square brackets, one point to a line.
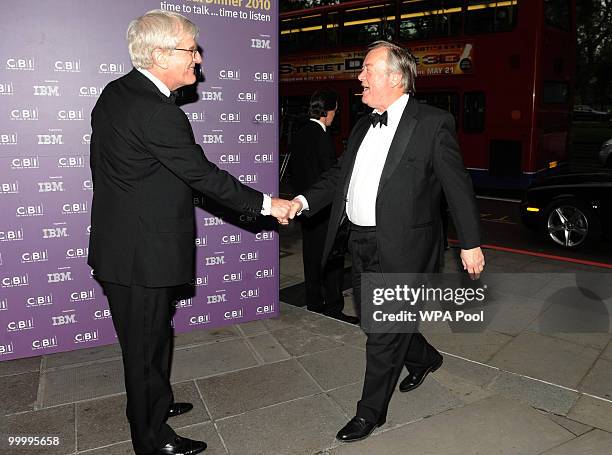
[386, 353]
[141, 317]
[323, 285]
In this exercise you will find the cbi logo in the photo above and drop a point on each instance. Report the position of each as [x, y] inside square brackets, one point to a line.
[6, 88]
[232, 277]
[247, 97]
[46, 90]
[217, 259]
[87, 185]
[102, 314]
[201, 280]
[265, 309]
[249, 138]
[70, 114]
[18, 326]
[229, 158]
[214, 94]
[252, 293]
[229, 74]
[231, 239]
[70, 161]
[264, 236]
[20, 64]
[215, 137]
[39, 300]
[3, 304]
[264, 273]
[248, 178]
[266, 118]
[30, 257]
[75, 208]
[234, 314]
[50, 139]
[90, 91]
[67, 66]
[30, 210]
[229, 117]
[111, 68]
[15, 281]
[6, 349]
[86, 139]
[263, 42]
[249, 256]
[55, 232]
[219, 297]
[201, 241]
[83, 296]
[195, 116]
[59, 277]
[44, 343]
[77, 253]
[51, 187]
[260, 76]
[247, 218]
[25, 114]
[86, 337]
[264, 158]
[11, 235]
[8, 139]
[32, 162]
[184, 303]
[9, 188]
[199, 319]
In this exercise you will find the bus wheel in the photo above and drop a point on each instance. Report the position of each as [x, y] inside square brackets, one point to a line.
[570, 224]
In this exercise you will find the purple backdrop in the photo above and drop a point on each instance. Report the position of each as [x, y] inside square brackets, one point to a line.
[56, 58]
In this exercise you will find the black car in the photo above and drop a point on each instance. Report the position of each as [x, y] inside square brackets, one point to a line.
[571, 210]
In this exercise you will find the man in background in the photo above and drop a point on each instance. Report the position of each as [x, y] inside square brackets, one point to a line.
[312, 153]
[145, 165]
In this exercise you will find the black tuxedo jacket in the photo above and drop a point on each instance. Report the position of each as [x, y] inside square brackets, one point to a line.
[144, 164]
[423, 160]
[312, 153]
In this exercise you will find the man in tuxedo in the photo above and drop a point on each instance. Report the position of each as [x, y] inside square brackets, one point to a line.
[145, 164]
[388, 186]
[312, 153]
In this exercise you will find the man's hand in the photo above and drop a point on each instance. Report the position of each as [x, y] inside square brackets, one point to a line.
[473, 261]
[280, 210]
[296, 207]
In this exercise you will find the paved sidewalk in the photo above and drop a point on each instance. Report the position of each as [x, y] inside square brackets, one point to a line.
[286, 385]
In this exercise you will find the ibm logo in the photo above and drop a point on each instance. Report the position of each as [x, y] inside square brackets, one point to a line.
[218, 259]
[11, 235]
[55, 232]
[40, 300]
[44, 343]
[20, 64]
[260, 76]
[46, 90]
[15, 281]
[215, 94]
[18, 326]
[219, 297]
[111, 68]
[265, 309]
[246, 294]
[200, 319]
[67, 66]
[213, 221]
[213, 138]
[229, 74]
[64, 319]
[251, 138]
[51, 187]
[247, 97]
[25, 163]
[50, 139]
[8, 139]
[264, 158]
[59, 277]
[90, 91]
[257, 43]
[24, 114]
[229, 158]
[6, 88]
[9, 188]
[86, 337]
[234, 314]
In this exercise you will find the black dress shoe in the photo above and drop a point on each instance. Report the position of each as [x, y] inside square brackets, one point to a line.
[357, 429]
[183, 446]
[413, 380]
[176, 409]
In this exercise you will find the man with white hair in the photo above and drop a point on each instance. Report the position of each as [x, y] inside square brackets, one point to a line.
[145, 164]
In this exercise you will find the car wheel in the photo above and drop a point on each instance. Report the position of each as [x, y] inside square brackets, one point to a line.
[570, 224]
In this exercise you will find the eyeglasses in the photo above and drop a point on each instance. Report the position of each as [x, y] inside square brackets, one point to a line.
[193, 52]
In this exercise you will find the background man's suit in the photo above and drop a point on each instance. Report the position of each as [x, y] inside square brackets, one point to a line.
[312, 153]
[423, 161]
[145, 165]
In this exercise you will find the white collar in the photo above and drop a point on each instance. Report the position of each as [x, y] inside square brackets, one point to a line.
[396, 109]
[159, 84]
[320, 123]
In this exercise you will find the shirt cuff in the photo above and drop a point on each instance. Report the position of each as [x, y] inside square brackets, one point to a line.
[304, 202]
[266, 206]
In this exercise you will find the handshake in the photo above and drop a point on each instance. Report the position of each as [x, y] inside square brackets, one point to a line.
[284, 210]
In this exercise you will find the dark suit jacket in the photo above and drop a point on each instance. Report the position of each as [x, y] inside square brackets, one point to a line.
[423, 160]
[312, 153]
[145, 164]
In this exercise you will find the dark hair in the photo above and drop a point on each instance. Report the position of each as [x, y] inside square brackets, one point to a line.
[322, 101]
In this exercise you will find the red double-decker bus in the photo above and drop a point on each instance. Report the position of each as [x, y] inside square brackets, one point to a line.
[504, 69]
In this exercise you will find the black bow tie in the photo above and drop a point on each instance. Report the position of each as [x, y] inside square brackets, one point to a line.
[378, 118]
[172, 97]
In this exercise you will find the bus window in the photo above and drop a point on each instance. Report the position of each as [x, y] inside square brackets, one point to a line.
[555, 92]
[557, 13]
[449, 101]
[332, 30]
[301, 33]
[485, 16]
[473, 112]
[422, 19]
[369, 23]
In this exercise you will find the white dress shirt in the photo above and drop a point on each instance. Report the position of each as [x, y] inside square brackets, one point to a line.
[266, 206]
